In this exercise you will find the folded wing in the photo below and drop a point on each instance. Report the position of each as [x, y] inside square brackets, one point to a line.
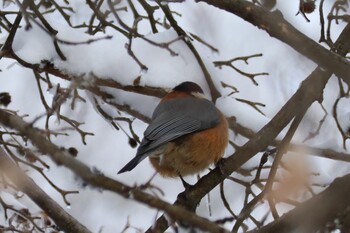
[173, 119]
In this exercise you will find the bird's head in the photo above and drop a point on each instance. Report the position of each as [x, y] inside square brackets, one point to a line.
[189, 88]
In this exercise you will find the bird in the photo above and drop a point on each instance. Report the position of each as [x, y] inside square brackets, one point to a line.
[187, 134]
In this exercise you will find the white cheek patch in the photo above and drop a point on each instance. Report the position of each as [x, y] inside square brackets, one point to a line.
[198, 95]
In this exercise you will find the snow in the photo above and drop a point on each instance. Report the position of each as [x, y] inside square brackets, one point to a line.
[108, 149]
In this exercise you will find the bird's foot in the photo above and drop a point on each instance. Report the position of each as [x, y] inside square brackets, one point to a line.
[184, 183]
[219, 164]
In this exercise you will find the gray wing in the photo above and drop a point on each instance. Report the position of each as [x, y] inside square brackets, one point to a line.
[171, 120]
[176, 118]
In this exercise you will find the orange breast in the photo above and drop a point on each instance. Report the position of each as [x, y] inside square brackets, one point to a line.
[192, 153]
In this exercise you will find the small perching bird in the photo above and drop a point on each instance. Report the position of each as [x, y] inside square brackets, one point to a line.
[187, 133]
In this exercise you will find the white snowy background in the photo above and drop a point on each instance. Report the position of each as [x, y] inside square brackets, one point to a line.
[108, 150]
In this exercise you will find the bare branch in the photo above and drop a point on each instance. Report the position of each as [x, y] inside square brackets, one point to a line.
[324, 207]
[65, 221]
[215, 94]
[175, 212]
[228, 63]
[309, 91]
[276, 26]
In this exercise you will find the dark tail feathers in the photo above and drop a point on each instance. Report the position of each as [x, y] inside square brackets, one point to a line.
[132, 164]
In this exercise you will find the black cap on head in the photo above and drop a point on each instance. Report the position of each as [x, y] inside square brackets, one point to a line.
[188, 87]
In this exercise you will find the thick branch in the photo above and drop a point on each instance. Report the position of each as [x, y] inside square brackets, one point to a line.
[309, 91]
[323, 153]
[175, 213]
[64, 220]
[276, 26]
[98, 81]
[331, 204]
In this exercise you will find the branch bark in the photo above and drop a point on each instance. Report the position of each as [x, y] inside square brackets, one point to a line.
[276, 26]
[325, 207]
[97, 179]
[215, 94]
[320, 152]
[310, 90]
[64, 220]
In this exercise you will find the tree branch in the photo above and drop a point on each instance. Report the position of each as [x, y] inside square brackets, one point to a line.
[215, 94]
[276, 26]
[310, 90]
[323, 153]
[324, 207]
[64, 220]
[95, 178]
